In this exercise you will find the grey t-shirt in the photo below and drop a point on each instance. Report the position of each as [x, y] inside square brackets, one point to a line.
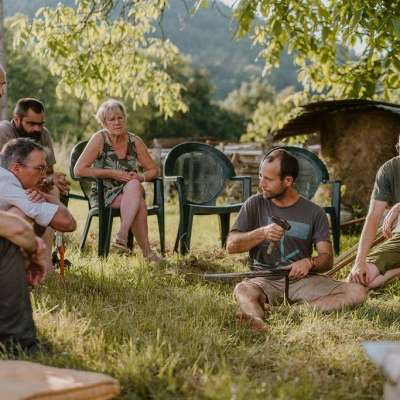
[387, 185]
[387, 182]
[309, 225]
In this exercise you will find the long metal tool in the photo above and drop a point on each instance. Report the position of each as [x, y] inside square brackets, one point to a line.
[269, 274]
[249, 274]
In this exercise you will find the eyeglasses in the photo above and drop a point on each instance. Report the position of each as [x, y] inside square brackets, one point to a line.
[41, 168]
[3, 85]
[397, 147]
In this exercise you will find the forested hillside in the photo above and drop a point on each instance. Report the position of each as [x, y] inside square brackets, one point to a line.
[206, 38]
[29, 7]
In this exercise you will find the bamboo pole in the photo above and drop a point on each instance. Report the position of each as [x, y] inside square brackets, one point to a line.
[342, 260]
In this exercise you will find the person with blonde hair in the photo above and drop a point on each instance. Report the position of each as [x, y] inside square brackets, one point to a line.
[114, 155]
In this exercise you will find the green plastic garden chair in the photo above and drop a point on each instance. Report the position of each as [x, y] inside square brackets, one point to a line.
[200, 173]
[312, 174]
[107, 214]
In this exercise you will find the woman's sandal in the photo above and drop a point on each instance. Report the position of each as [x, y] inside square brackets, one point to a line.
[153, 258]
[120, 245]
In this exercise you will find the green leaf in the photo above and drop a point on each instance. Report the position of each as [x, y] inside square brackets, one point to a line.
[356, 18]
[277, 28]
[325, 33]
[396, 26]
[396, 63]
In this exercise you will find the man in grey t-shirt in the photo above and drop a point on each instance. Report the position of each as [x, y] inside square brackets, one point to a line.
[253, 231]
[28, 122]
[382, 265]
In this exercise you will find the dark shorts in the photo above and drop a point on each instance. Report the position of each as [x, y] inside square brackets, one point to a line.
[387, 255]
[306, 290]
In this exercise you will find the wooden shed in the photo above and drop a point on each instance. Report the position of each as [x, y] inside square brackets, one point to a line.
[356, 137]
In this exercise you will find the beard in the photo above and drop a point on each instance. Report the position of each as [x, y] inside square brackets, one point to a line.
[23, 133]
[275, 195]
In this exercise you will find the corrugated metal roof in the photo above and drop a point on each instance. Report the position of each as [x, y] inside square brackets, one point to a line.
[310, 120]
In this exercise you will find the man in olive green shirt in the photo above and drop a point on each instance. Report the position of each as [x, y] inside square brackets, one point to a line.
[382, 266]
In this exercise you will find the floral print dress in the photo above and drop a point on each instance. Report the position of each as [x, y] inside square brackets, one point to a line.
[109, 160]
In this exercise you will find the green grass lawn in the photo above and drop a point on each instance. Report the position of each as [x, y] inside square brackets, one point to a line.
[165, 333]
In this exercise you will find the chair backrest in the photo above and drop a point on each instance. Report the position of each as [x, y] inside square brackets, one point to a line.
[204, 169]
[312, 171]
[85, 183]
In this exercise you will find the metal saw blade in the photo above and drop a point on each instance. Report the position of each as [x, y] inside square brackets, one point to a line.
[248, 274]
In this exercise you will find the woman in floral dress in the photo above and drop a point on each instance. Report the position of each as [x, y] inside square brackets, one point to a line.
[113, 154]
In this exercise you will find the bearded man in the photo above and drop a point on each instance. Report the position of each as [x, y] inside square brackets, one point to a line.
[304, 252]
[28, 122]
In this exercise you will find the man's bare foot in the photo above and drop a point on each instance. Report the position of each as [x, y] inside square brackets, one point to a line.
[257, 324]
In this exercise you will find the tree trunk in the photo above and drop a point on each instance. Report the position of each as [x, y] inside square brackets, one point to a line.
[3, 99]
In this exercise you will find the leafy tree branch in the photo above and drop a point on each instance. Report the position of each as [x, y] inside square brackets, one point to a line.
[322, 36]
[99, 53]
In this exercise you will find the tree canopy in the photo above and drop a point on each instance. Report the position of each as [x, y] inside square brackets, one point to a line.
[322, 35]
[109, 48]
[106, 48]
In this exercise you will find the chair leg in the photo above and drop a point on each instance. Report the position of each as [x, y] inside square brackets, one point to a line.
[336, 237]
[94, 212]
[85, 232]
[224, 220]
[130, 240]
[335, 227]
[180, 242]
[161, 228]
[185, 247]
[105, 227]
[178, 236]
[176, 246]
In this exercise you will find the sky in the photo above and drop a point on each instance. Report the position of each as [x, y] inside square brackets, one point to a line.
[228, 2]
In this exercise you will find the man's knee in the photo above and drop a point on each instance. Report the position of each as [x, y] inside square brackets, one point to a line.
[356, 292]
[248, 291]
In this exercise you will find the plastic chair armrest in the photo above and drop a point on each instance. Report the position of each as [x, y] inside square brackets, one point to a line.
[76, 196]
[170, 178]
[158, 197]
